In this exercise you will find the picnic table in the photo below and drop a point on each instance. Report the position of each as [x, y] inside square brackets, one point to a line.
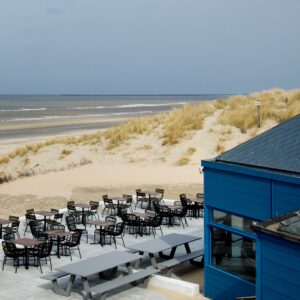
[166, 242]
[94, 265]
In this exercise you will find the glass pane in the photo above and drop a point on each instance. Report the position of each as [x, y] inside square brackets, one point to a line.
[233, 253]
[231, 220]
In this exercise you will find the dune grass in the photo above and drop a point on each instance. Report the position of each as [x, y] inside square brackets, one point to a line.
[182, 161]
[278, 105]
[238, 111]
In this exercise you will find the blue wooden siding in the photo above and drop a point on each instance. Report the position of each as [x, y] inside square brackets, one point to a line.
[221, 286]
[280, 268]
[240, 194]
[286, 197]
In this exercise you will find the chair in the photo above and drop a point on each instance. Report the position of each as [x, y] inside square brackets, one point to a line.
[12, 252]
[9, 237]
[128, 204]
[36, 231]
[30, 211]
[41, 251]
[133, 224]
[73, 212]
[109, 206]
[141, 197]
[93, 212]
[111, 219]
[161, 195]
[187, 202]
[179, 214]
[29, 217]
[14, 227]
[70, 221]
[115, 231]
[72, 242]
[57, 220]
[163, 211]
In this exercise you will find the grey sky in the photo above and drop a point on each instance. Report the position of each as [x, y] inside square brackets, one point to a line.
[148, 46]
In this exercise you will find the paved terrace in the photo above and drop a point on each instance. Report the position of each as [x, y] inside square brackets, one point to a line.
[27, 284]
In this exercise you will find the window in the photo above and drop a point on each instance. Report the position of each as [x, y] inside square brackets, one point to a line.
[231, 220]
[233, 253]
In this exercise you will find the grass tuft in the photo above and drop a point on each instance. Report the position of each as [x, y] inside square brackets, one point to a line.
[182, 161]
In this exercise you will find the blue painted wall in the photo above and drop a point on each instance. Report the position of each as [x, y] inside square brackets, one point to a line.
[240, 194]
[279, 276]
[286, 197]
[219, 289]
[250, 193]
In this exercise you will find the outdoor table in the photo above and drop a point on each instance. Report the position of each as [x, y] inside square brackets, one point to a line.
[59, 234]
[3, 222]
[166, 242]
[150, 193]
[141, 214]
[45, 214]
[83, 206]
[101, 224]
[94, 265]
[27, 242]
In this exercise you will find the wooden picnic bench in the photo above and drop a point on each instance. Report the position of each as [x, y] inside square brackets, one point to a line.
[101, 290]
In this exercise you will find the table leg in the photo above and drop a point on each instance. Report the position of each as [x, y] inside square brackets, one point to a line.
[153, 260]
[58, 246]
[45, 223]
[26, 259]
[138, 261]
[86, 286]
[63, 292]
[171, 255]
[129, 268]
[83, 218]
[196, 263]
[0, 231]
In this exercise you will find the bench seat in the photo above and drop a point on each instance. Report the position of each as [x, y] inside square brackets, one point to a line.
[103, 288]
[177, 260]
[54, 275]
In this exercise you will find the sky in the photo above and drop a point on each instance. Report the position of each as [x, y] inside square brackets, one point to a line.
[148, 46]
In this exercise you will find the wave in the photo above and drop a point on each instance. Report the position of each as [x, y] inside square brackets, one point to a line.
[23, 109]
[78, 116]
[149, 105]
[126, 106]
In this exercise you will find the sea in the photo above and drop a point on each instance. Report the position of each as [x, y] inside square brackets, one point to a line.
[26, 109]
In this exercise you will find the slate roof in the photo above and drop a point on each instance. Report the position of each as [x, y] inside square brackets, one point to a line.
[277, 149]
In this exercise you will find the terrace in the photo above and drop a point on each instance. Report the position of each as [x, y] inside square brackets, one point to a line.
[27, 283]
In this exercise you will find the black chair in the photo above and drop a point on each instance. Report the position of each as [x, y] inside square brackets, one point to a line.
[41, 251]
[141, 197]
[12, 252]
[133, 224]
[111, 219]
[93, 212]
[165, 212]
[161, 195]
[109, 206]
[30, 217]
[179, 214]
[9, 237]
[128, 204]
[187, 202]
[57, 220]
[156, 222]
[70, 221]
[73, 212]
[115, 231]
[36, 229]
[14, 226]
[72, 242]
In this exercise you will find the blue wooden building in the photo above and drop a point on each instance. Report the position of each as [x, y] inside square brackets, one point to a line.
[256, 181]
[278, 258]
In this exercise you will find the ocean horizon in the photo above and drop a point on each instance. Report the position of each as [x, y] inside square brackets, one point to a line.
[47, 113]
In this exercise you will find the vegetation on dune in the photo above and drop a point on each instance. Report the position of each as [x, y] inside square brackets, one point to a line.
[278, 105]
[238, 111]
